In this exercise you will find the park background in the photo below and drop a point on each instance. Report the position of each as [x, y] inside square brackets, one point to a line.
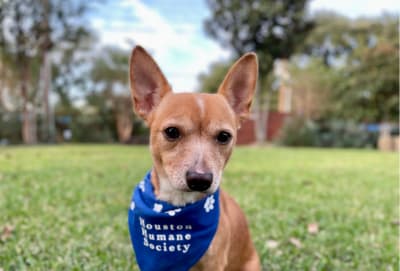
[328, 79]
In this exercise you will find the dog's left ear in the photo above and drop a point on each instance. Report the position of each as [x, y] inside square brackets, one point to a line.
[239, 84]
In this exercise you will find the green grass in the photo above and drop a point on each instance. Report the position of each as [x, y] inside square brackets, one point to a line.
[68, 205]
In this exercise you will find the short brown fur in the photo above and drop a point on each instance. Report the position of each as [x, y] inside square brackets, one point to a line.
[199, 118]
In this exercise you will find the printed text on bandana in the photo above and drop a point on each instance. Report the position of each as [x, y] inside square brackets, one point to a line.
[166, 237]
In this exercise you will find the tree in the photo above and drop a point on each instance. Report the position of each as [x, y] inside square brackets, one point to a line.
[110, 77]
[21, 46]
[365, 53]
[210, 81]
[8, 82]
[312, 87]
[272, 29]
[30, 31]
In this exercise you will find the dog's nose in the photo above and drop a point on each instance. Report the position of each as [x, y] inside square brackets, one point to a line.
[198, 181]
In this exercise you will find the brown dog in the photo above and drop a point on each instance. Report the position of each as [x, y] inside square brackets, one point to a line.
[191, 139]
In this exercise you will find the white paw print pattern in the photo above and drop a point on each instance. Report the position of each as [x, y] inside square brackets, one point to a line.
[209, 204]
[132, 205]
[157, 207]
[141, 186]
[173, 212]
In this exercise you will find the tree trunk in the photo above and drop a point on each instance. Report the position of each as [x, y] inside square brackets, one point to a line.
[45, 74]
[29, 133]
[124, 127]
[45, 84]
[123, 117]
[261, 117]
[29, 125]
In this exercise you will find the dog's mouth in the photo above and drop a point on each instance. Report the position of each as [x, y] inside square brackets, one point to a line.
[199, 188]
[205, 192]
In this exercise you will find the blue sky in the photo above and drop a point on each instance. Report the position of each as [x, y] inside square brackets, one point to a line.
[172, 31]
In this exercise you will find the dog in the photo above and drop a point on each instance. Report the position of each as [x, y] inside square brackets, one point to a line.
[192, 136]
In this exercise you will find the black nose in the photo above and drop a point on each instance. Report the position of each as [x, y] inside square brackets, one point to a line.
[198, 181]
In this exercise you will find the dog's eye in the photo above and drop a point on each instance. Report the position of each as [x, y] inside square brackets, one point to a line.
[223, 137]
[172, 133]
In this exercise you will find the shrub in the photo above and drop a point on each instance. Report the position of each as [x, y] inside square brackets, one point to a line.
[298, 132]
[10, 127]
[326, 133]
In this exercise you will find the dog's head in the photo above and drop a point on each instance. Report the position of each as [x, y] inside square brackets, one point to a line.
[191, 134]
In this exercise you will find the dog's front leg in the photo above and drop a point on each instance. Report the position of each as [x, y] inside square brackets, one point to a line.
[210, 261]
[216, 257]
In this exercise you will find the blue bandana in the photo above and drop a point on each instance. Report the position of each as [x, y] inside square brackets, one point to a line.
[167, 237]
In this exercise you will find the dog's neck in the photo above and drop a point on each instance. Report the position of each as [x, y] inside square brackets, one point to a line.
[163, 191]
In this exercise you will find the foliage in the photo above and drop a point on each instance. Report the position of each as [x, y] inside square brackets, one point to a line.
[298, 131]
[210, 81]
[110, 95]
[369, 91]
[96, 121]
[74, 200]
[99, 130]
[110, 67]
[365, 52]
[271, 28]
[71, 71]
[100, 107]
[29, 31]
[312, 86]
[93, 122]
[10, 127]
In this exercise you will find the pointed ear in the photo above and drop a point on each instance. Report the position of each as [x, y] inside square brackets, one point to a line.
[148, 84]
[239, 84]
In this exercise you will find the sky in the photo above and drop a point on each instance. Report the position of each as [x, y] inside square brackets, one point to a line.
[172, 31]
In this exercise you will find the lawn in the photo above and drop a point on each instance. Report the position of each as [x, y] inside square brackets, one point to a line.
[65, 207]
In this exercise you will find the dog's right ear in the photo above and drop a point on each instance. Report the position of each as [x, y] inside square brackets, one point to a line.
[148, 84]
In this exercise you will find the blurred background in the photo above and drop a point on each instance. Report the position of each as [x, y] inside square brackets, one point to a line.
[329, 70]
